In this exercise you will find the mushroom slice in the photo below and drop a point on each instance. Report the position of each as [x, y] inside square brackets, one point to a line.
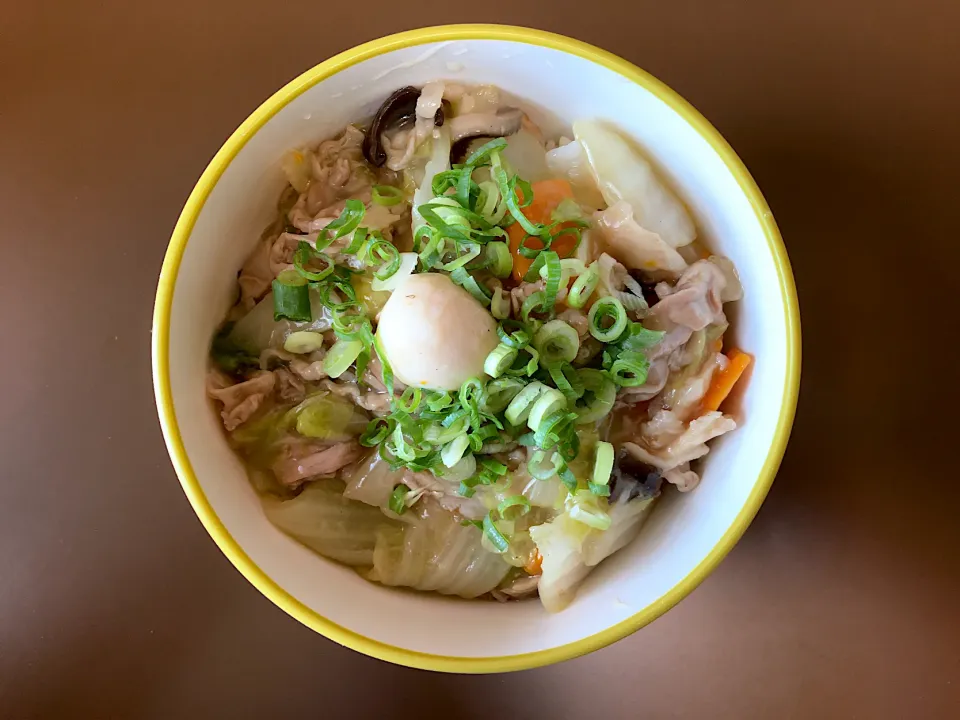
[397, 111]
[464, 128]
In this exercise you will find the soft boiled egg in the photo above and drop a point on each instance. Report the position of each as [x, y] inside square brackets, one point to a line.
[434, 333]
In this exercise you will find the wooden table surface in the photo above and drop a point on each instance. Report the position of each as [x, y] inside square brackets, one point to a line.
[842, 599]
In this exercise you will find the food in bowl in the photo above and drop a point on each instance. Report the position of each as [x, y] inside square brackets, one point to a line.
[468, 356]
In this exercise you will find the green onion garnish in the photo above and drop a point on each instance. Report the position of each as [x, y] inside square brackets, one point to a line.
[386, 195]
[291, 297]
[397, 499]
[499, 359]
[453, 450]
[496, 538]
[630, 369]
[499, 259]
[465, 280]
[500, 304]
[498, 394]
[348, 221]
[548, 402]
[514, 501]
[583, 288]
[607, 319]
[556, 342]
[602, 463]
[513, 334]
[544, 465]
[341, 356]
[304, 253]
[519, 408]
[600, 395]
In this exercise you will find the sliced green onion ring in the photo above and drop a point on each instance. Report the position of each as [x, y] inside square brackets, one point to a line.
[291, 297]
[341, 356]
[498, 394]
[465, 280]
[557, 342]
[499, 259]
[348, 221]
[453, 450]
[386, 195]
[602, 463]
[583, 288]
[499, 360]
[607, 310]
[548, 402]
[518, 338]
[496, 538]
[397, 498]
[601, 393]
[519, 408]
[500, 304]
[630, 369]
[514, 501]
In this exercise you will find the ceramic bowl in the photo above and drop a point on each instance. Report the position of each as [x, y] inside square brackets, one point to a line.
[686, 536]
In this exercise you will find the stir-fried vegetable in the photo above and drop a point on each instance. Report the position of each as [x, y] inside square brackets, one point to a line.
[724, 380]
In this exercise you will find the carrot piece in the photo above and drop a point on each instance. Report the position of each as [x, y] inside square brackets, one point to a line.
[547, 195]
[724, 380]
[534, 564]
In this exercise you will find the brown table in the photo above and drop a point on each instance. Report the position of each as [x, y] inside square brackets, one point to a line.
[841, 601]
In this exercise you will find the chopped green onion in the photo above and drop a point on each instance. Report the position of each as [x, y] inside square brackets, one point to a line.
[567, 380]
[519, 408]
[499, 359]
[596, 519]
[533, 303]
[630, 369]
[303, 255]
[583, 288]
[516, 339]
[377, 431]
[440, 435]
[498, 394]
[514, 501]
[341, 356]
[556, 342]
[553, 428]
[348, 221]
[408, 263]
[484, 151]
[453, 450]
[640, 338]
[544, 465]
[494, 535]
[409, 400]
[499, 259]
[548, 402]
[599, 490]
[291, 297]
[525, 367]
[500, 304]
[553, 271]
[397, 499]
[602, 463]
[303, 342]
[600, 393]
[465, 280]
[386, 195]
[472, 251]
[607, 319]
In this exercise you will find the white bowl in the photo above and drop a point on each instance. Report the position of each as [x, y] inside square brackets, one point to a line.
[686, 536]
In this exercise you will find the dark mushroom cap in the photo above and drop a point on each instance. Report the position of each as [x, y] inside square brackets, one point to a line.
[396, 111]
[633, 479]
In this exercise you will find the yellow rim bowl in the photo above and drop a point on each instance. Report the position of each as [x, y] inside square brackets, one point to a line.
[161, 344]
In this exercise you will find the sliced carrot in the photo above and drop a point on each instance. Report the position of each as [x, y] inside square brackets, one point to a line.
[547, 195]
[534, 564]
[724, 380]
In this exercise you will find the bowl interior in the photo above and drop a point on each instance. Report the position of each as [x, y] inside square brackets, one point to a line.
[682, 532]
